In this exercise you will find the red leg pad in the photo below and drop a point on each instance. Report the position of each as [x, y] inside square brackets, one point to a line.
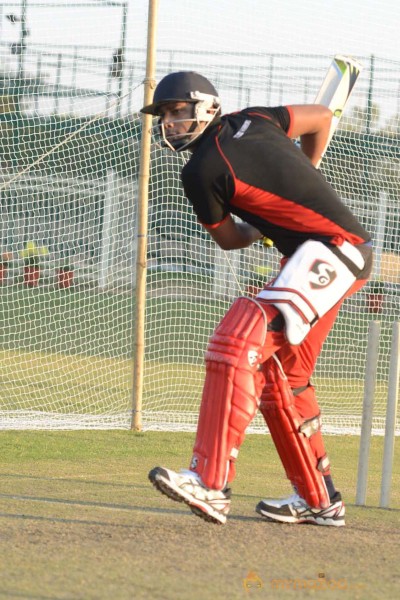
[285, 425]
[231, 392]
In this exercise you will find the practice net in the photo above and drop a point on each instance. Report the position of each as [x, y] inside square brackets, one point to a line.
[70, 146]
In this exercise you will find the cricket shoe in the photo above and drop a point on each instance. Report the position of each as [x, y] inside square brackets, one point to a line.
[187, 487]
[296, 510]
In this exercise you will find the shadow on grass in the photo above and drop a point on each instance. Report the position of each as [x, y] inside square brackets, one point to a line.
[73, 480]
[85, 503]
[26, 517]
[185, 511]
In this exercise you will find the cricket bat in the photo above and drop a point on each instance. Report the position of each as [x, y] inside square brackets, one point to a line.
[336, 89]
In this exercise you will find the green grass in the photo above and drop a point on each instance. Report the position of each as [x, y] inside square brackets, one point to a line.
[97, 385]
[71, 351]
[66, 321]
[79, 520]
[93, 323]
[66, 384]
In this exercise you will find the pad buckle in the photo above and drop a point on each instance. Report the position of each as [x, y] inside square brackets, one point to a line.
[311, 426]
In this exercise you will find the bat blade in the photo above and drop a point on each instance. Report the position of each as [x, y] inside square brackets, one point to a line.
[337, 87]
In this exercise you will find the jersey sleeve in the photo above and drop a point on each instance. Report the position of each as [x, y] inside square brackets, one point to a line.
[281, 115]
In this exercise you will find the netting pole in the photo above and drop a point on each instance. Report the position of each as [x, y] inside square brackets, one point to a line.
[123, 56]
[22, 44]
[142, 216]
[380, 232]
[110, 193]
[391, 414]
[370, 95]
[367, 413]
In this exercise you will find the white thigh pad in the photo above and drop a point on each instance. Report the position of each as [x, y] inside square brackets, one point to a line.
[312, 281]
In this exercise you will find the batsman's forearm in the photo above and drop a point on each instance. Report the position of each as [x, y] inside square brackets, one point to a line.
[248, 234]
[233, 235]
[312, 148]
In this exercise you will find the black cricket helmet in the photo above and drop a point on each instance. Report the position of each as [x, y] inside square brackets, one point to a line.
[182, 86]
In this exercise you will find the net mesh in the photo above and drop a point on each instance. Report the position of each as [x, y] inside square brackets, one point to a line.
[70, 142]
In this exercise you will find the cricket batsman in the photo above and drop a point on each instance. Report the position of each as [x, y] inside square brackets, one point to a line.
[263, 352]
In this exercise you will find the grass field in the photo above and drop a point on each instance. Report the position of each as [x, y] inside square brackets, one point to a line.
[70, 352]
[94, 323]
[79, 520]
[78, 517]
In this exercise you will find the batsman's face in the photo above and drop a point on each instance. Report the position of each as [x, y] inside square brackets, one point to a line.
[177, 122]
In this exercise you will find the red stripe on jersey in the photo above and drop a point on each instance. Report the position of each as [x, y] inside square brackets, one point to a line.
[225, 159]
[288, 214]
[215, 225]
[256, 114]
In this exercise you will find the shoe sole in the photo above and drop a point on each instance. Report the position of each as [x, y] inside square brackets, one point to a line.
[164, 485]
[325, 521]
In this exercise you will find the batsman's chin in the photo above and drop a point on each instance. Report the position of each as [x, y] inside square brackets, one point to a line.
[177, 140]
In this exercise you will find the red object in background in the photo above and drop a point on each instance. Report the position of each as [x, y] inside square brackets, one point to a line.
[31, 275]
[3, 273]
[65, 278]
[375, 303]
[253, 290]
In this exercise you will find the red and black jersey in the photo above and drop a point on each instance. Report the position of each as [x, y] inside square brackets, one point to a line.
[247, 165]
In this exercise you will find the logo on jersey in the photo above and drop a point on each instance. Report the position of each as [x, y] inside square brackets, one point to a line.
[242, 130]
[321, 274]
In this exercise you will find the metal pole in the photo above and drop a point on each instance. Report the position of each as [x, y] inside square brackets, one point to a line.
[58, 83]
[123, 55]
[106, 251]
[391, 415]
[38, 77]
[370, 95]
[143, 195]
[130, 84]
[21, 55]
[240, 86]
[367, 411]
[73, 77]
[269, 80]
[24, 33]
[380, 232]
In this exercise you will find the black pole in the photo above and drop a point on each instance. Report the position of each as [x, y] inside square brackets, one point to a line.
[123, 55]
[23, 36]
[370, 95]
